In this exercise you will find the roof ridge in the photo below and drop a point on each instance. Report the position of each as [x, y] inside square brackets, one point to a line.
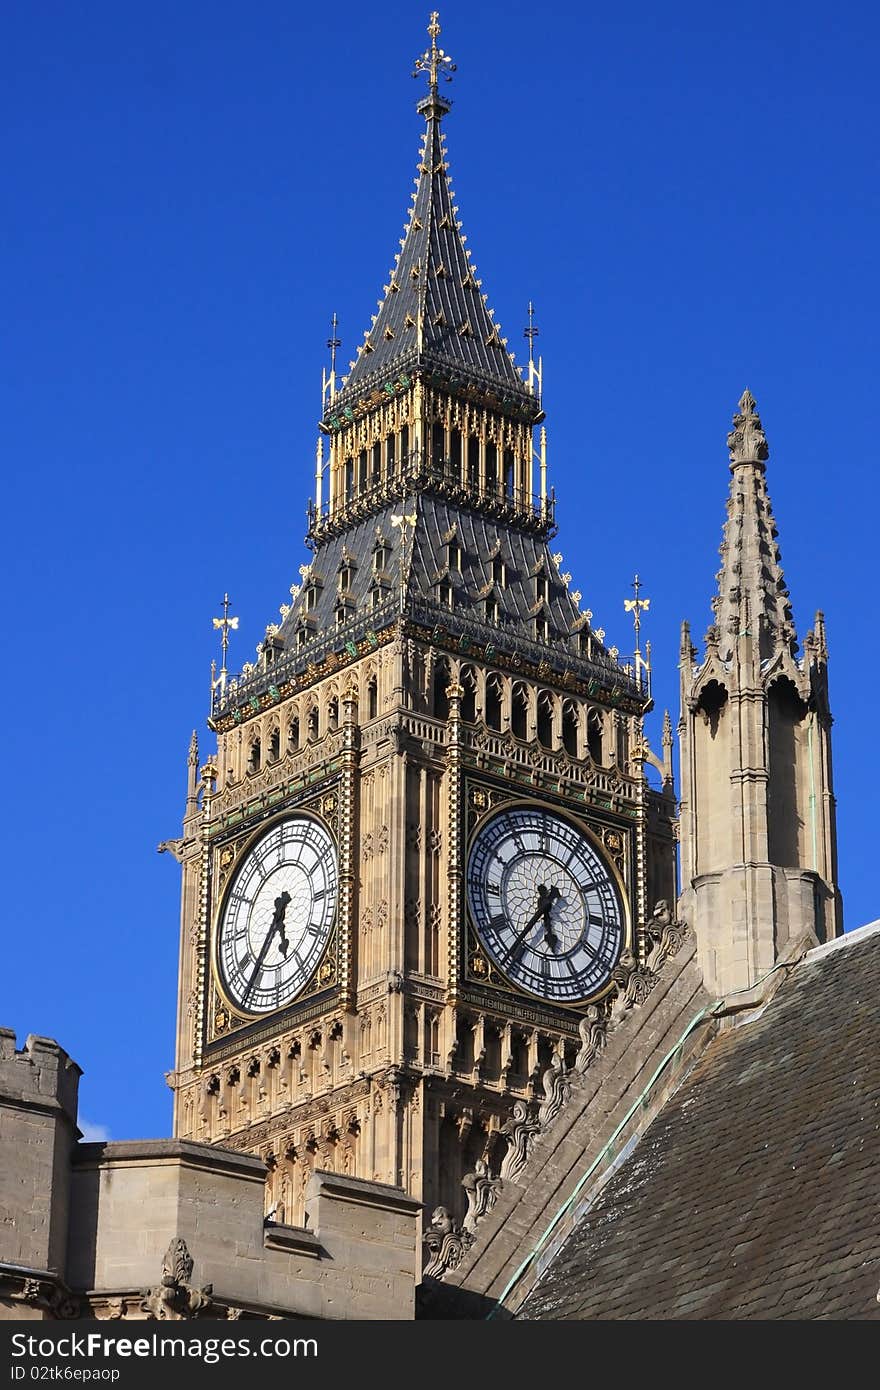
[849, 938]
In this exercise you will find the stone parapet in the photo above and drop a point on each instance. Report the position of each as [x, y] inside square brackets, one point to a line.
[168, 1228]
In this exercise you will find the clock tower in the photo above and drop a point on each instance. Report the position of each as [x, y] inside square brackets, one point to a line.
[426, 838]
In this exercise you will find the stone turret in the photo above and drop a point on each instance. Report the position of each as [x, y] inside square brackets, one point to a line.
[38, 1132]
[758, 834]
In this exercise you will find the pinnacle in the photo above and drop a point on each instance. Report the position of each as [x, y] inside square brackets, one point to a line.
[746, 441]
[752, 597]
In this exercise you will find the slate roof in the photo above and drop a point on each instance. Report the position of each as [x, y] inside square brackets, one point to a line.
[434, 312]
[754, 1192]
[482, 541]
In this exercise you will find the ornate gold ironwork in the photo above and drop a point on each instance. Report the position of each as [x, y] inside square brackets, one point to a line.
[434, 61]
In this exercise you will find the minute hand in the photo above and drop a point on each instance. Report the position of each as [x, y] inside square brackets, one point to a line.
[277, 925]
[542, 911]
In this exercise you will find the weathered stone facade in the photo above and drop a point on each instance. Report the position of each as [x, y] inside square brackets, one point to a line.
[169, 1229]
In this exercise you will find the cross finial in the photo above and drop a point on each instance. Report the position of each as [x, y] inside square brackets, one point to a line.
[434, 63]
[637, 606]
[225, 625]
[536, 373]
[328, 380]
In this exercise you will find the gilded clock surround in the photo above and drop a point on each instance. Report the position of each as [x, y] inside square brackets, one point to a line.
[485, 800]
[223, 1016]
[324, 971]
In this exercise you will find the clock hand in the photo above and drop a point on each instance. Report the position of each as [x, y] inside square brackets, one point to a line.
[547, 896]
[277, 924]
[550, 936]
[281, 905]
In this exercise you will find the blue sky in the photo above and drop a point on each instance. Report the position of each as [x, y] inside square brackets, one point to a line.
[688, 194]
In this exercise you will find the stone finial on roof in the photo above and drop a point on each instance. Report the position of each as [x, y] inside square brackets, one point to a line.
[747, 442]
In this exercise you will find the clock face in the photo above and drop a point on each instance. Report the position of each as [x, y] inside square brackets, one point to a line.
[545, 904]
[277, 916]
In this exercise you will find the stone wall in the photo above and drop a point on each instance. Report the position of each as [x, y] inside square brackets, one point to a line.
[174, 1229]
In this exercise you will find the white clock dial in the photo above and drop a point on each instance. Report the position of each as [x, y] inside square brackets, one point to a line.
[277, 916]
[545, 904]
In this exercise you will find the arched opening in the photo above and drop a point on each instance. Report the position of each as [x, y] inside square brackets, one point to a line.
[622, 741]
[333, 714]
[785, 808]
[494, 692]
[438, 447]
[372, 697]
[313, 724]
[464, 1039]
[508, 472]
[594, 736]
[455, 452]
[275, 745]
[519, 712]
[293, 735]
[712, 701]
[441, 682]
[545, 719]
[254, 756]
[491, 467]
[473, 459]
[492, 1064]
[469, 697]
[570, 728]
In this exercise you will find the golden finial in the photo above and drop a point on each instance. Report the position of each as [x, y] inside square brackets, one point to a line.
[224, 625]
[536, 372]
[434, 62]
[637, 606]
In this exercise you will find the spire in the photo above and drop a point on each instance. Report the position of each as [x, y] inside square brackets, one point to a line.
[433, 313]
[752, 597]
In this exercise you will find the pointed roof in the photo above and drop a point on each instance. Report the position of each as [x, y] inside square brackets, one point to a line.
[752, 593]
[434, 313]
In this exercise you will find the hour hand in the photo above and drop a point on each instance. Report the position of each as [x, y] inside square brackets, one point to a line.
[550, 936]
[278, 923]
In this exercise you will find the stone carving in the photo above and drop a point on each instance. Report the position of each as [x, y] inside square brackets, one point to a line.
[174, 1299]
[446, 1242]
[54, 1299]
[482, 1191]
[557, 1089]
[592, 1032]
[747, 442]
[665, 936]
[520, 1131]
[633, 985]
[172, 847]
